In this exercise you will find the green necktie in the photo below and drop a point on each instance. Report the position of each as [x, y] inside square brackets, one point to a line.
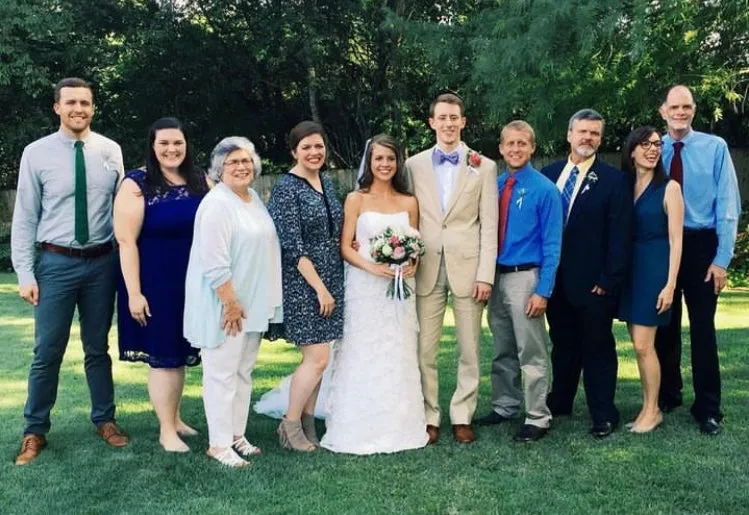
[81, 202]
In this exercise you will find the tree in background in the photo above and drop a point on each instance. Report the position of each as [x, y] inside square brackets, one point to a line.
[364, 66]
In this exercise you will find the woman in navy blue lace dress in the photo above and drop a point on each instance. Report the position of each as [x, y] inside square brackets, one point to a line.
[154, 212]
[308, 218]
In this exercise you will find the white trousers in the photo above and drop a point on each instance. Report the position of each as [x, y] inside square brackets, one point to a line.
[227, 386]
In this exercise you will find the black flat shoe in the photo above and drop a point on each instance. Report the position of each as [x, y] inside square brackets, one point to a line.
[491, 419]
[530, 433]
[710, 426]
[602, 429]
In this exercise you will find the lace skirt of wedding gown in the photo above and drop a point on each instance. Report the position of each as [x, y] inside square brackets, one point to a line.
[375, 401]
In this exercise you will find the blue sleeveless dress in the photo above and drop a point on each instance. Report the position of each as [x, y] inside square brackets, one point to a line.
[164, 248]
[650, 260]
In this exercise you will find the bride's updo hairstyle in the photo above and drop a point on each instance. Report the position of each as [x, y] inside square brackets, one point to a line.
[399, 180]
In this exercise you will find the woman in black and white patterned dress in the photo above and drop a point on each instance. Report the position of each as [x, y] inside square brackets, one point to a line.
[308, 218]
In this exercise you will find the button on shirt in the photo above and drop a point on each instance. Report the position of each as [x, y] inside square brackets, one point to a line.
[446, 174]
[45, 199]
[583, 168]
[534, 225]
[711, 190]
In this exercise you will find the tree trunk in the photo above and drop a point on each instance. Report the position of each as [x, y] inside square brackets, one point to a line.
[311, 83]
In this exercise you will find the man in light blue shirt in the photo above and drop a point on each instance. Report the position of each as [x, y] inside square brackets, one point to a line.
[63, 213]
[702, 165]
[529, 247]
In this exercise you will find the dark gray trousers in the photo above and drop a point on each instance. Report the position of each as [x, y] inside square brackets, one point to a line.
[64, 283]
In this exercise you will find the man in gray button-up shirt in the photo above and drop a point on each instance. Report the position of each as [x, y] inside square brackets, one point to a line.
[55, 272]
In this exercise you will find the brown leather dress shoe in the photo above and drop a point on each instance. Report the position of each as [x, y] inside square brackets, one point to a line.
[112, 434]
[434, 433]
[463, 433]
[31, 447]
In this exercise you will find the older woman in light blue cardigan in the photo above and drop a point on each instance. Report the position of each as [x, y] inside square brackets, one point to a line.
[232, 293]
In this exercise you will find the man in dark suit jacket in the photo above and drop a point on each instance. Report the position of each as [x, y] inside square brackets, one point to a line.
[597, 203]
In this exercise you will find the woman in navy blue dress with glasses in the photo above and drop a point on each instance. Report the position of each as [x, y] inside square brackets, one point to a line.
[154, 213]
[647, 295]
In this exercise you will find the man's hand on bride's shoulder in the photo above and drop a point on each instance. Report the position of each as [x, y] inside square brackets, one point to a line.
[381, 269]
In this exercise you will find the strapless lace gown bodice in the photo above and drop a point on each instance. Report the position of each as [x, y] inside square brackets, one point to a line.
[363, 284]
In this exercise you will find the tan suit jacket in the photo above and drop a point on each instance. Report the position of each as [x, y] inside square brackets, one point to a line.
[466, 233]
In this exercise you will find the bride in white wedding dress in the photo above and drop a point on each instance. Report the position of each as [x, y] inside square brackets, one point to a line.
[371, 395]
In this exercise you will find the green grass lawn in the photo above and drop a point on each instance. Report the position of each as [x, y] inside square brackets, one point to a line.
[673, 470]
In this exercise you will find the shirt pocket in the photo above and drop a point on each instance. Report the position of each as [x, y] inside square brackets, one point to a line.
[102, 175]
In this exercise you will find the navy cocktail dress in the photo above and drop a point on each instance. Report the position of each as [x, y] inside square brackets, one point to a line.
[164, 249]
[650, 261]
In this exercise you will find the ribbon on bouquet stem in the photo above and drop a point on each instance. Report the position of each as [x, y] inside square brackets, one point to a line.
[399, 288]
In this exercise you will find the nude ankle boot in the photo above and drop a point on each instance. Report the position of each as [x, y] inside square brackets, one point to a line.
[308, 427]
[291, 436]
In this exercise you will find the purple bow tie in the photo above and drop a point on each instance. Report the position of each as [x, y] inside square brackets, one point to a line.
[452, 157]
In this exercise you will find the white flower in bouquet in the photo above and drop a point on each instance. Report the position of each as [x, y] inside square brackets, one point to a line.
[387, 250]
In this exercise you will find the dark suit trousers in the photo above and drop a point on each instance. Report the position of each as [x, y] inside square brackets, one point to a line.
[698, 252]
[64, 283]
[582, 341]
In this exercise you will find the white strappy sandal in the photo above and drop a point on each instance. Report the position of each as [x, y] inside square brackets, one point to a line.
[245, 448]
[229, 458]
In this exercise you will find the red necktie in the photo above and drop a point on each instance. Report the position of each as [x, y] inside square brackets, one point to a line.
[504, 211]
[677, 169]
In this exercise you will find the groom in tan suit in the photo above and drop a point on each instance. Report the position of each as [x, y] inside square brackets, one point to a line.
[458, 215]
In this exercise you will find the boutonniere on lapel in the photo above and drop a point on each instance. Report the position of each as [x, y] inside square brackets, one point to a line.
[473, 161]
[521, 195]
[591, 178]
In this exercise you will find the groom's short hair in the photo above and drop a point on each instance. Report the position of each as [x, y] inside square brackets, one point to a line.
[447, 98]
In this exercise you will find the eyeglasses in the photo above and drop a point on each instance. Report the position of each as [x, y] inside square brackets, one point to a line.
[233, 163]
[647, 144]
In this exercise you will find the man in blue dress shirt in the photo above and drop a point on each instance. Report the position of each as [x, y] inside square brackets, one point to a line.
[702, 165]
[62, 252]
[529, 246]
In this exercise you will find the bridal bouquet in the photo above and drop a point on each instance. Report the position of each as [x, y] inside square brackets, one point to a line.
[396, 246]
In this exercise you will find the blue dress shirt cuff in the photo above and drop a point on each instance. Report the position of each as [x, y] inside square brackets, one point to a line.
[25, 278]
[722, 259]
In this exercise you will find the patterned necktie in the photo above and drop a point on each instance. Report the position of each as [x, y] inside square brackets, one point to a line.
[452, 157]
[567, 191]
[81, 202]
[677, 168]
[504, 211]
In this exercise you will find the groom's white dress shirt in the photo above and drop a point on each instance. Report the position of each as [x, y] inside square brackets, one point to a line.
[445, 174]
